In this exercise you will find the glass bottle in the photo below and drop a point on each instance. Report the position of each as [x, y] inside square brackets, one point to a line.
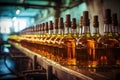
[80, 26]
[37, 34]
[107, 42]
[22, 37]
[115, 26]
[48, 45]
[38, 40]
[58, 50]
[116, 36]
[52, 40]
[67, 44]
[30, 39]
[34, 42]
[74, 30]
[41, 44]
[85, 45]
[45, 44]
[96, 33]
[42, 33]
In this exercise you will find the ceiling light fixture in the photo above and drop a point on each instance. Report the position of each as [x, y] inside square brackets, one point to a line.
[14, 18]
[17, 11]
[21, 1]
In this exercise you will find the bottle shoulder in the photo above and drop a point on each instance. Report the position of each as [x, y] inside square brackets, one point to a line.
[96, 36]
[85, 37]
[108, 41]
[65, 40]
[84, 41]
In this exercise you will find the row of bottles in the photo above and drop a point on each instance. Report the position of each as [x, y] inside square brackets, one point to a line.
[62, 43]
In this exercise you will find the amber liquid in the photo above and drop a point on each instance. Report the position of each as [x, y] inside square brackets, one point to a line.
[111, 46]
[52, 51]
[86, 52]
[55, 52]
[67, 51]
[56, 49]
[46, 47]
[81, 57]
[41, 45]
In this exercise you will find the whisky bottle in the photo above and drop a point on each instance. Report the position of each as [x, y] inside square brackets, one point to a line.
[28, 38]
[52, 40]
[80, 26]
[85, 45]
[41, 44]
[74, 29]
[96, 33]
[38, 39]
[35, 39]
[67, 44]
[37, 34]
[115, 26]
[116, 36]
[108, 42]
[47, 41]
[42, 32]
[45, 45]
[59, 36]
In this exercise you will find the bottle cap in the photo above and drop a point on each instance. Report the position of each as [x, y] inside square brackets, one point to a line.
[51, 25]
[114, 19]
[56, 23]
[39, 27]
[95, 21]
[81, 21]
[107, 18]
[43, 25]
[46, 26]
[86, 21]
[73, 24]
[67, 22]
[60, 23]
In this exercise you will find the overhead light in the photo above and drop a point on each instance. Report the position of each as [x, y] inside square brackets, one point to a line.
[21, 1]
[17, 11]
[14, 18]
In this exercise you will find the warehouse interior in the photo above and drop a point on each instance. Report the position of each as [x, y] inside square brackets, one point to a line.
[18, 15]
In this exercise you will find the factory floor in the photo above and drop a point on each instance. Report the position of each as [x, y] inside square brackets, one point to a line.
[8, 68]
[13, 63]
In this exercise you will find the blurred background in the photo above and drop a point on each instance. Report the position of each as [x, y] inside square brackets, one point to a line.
[16, 15]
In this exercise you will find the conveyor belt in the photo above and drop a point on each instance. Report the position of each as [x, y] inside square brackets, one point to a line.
[63, 72]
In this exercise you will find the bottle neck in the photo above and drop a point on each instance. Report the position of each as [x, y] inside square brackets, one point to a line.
[73, 31]
[86, 30]
[96, 30]
[79, 31]
[46, 32]
[50, 32]
[115, 29]
[67, 30]
[55, 31]
[107, 28]
[42, 32]
[60, 31]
